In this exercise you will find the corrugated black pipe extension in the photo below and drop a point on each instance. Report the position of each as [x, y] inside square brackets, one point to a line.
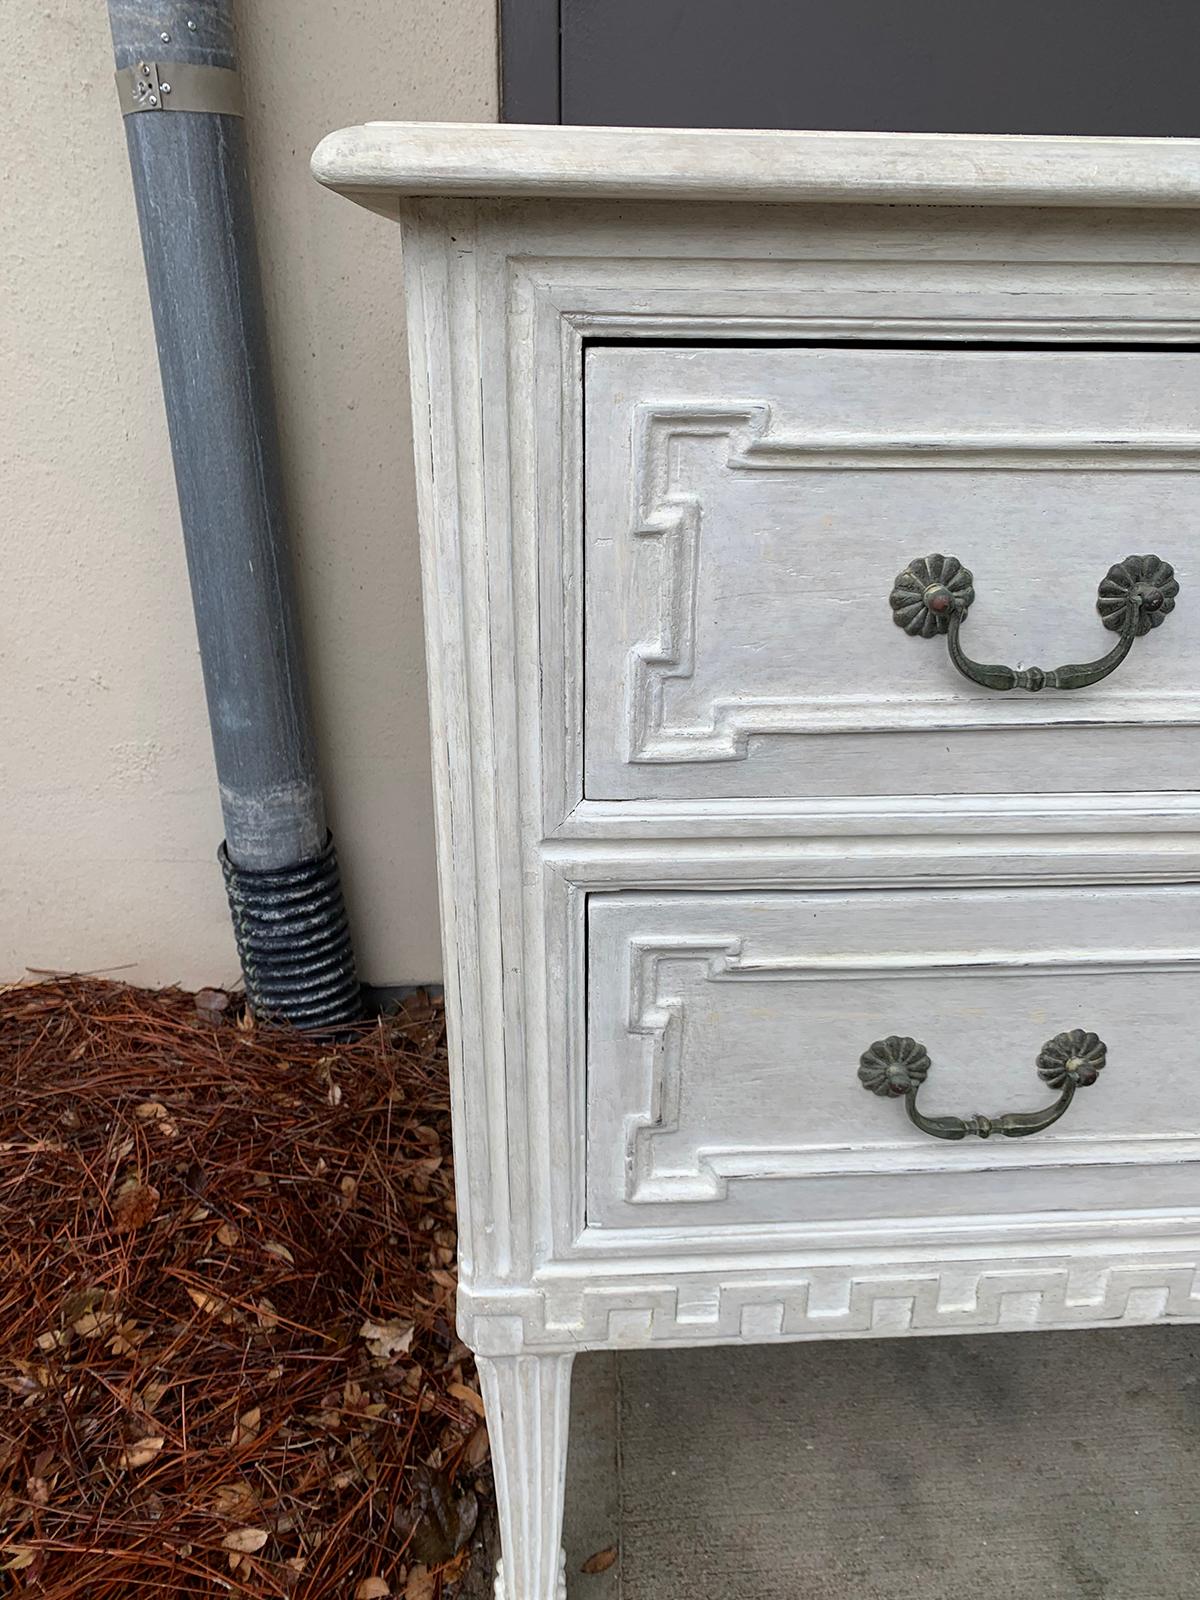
[181, 100]
[293, 941]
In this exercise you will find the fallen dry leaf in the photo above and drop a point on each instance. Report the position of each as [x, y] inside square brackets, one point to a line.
[127, 1338]
[453, 1570]
[364, 1458]
[601, 1561]
[246, 1426]
[245, 1540]
[151, 1394]
[478, 1447]
[92, 1323]
[421, 1584]
[22, 1385]
[280, 1250]
[214, 1305]
[372, 1589]
[460, 1391]
[150, 1110]
[137, 1455]
[441, 1521]
[227, 1235]
[135, 1205]
[75, 1305]
[387, 1339]
[235, 1501]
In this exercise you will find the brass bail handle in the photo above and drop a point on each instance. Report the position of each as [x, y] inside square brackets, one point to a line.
[896, 1066]
[934, 593]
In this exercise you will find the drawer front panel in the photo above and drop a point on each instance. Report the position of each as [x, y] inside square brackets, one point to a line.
[725, 1032]
[748, 511]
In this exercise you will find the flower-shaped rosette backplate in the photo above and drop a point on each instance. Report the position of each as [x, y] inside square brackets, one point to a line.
[893, 1066]
[1075, 1058]
[1149, 576]
[930, 577]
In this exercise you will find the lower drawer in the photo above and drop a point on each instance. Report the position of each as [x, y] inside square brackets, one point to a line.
[725, 1033]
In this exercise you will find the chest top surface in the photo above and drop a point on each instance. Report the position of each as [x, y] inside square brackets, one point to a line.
[378, 159]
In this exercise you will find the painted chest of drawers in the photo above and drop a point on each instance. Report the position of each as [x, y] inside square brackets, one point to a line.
[823, 954]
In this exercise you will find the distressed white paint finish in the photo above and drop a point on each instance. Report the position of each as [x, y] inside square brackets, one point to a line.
[748, 511]
[527, 1399]
[724, 1034]
[837, 899]
[894, 1293]
[382, 159]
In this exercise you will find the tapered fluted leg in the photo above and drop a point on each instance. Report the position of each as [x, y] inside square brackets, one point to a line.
[528, 1398]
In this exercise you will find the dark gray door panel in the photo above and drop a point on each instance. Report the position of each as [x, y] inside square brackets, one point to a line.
[946, 66]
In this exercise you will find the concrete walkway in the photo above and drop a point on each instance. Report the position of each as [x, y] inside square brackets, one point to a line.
[1058, 1466]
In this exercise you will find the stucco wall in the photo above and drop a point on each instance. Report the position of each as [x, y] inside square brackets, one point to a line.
[110, 818]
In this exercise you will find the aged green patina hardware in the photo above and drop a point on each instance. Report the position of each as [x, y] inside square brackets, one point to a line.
[934, 593]
[899, 1066]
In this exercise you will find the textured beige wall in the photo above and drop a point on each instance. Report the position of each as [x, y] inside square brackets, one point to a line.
[110, 819]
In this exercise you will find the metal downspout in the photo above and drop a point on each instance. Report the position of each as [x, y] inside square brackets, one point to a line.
[180, 95]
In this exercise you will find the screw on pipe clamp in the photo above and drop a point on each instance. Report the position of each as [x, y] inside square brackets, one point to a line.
[179, 86]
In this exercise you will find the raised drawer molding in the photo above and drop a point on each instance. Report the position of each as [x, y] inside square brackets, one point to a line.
[740, 553]
[702, 1085]
[809, 975]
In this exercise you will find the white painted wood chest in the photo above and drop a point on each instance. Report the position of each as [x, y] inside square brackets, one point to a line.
[808, 978]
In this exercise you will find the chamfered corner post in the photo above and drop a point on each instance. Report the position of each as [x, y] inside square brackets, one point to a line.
[180, 96]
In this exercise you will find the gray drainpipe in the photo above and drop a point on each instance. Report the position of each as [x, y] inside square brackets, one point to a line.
[180, 95]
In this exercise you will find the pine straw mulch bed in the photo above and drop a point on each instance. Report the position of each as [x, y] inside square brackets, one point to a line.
[227, 1357]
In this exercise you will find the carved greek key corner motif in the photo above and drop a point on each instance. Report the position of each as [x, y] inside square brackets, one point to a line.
[658, 1018]
[671, 515]
[833, 1303]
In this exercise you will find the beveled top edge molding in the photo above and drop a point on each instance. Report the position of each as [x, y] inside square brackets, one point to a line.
[445, 159]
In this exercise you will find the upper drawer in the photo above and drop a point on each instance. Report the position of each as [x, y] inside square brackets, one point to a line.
[747, 514]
